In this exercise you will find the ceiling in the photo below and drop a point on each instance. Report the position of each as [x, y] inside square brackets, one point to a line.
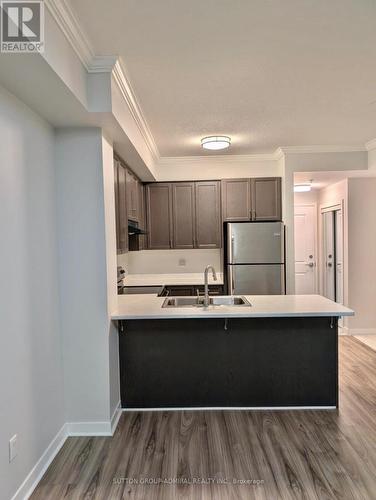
[267, 73]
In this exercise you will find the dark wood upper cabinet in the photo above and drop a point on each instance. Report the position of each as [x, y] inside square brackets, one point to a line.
[159, 215]
[133, 201]
[183, 214]
[266, 199]
[116, 192]
[236, 199]
[208, 219]
[257, 199]
[142, 216]
[188, 214]
[122, 241]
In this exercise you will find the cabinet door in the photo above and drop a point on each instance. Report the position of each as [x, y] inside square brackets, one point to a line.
[183, 214]
[159, 216]
[122, 209]
[266, 199]
[116, 188]
[142, 215]
[179, 291]
[236, 199]
[208, 220]
[132, 197]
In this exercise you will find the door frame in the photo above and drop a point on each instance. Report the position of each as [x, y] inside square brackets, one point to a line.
[316, 246]
[324, 208]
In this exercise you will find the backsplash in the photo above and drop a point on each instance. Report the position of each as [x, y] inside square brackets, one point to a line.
[170, 261]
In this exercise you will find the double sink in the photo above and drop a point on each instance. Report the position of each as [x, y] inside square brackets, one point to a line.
[226, 300]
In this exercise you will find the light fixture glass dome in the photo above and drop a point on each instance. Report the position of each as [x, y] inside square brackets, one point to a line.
[302, 188]
[215, 142]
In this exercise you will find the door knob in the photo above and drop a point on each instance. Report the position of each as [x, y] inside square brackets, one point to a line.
[330, 264]
[310, 264]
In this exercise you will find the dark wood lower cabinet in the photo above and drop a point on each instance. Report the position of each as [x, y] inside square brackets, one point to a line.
[190, 290]
[247, 362]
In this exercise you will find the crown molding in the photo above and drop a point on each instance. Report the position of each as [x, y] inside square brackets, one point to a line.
[165, 161]
[67, 22]
[322, 149]
[278, 154]
[370, 145]
[102, 64]
[125, 87]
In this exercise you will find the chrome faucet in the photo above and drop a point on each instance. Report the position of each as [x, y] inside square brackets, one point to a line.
[206, 272]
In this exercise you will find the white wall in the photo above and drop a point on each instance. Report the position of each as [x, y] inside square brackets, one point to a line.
[306, 198]
[110, 231]
[31, 380]
[216, 167]
[362, 250]
[167, 261]
[83, 274]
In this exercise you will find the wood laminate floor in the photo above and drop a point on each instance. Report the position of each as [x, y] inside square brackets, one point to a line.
[288, 454]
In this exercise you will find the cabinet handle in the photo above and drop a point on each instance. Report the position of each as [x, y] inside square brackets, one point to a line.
[251, 214]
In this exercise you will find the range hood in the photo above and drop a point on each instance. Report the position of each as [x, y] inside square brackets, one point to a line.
[133, 229]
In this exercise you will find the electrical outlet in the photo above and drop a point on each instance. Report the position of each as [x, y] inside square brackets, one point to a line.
[13, 448]
[182, 262]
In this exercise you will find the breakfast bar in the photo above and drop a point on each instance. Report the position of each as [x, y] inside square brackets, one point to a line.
[268, 352]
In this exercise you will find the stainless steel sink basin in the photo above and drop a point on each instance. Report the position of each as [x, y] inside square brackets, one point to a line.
[226, 300]
[229, 300]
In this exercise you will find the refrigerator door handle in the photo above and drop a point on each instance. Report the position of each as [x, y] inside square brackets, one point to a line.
[230, 274]
[283, 281]
[230, 244]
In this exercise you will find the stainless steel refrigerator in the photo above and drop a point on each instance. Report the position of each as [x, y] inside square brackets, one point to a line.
[255, 258]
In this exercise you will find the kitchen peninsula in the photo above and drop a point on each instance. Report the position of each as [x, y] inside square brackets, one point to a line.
[281, 351]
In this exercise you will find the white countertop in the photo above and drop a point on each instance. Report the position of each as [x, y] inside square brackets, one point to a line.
[170, 279]
[263, 306]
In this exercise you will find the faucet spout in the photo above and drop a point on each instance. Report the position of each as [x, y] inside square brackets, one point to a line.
[206, 281]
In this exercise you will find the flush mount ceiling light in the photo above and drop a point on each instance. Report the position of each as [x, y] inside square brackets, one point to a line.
[215, 142]
[302, 188]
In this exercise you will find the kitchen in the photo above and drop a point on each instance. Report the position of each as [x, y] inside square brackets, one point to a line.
[166, 332]
[241, 220]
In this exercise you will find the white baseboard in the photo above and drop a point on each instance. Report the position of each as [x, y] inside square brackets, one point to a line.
[116, 417]
[343, 330]
[37, 472]
[68, 429]
[362, 331]
[89, 429]
[232, 408]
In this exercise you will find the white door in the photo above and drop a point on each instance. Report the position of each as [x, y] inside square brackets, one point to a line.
[305, 249]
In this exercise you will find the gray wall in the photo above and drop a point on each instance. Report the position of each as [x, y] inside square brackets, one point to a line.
[362, 263]
[83, 274]
[31, 380]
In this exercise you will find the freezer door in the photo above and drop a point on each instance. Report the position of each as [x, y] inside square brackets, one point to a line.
[256, 279]
[255, 243]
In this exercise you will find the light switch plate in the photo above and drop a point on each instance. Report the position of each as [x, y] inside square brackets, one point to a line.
[13, 448]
